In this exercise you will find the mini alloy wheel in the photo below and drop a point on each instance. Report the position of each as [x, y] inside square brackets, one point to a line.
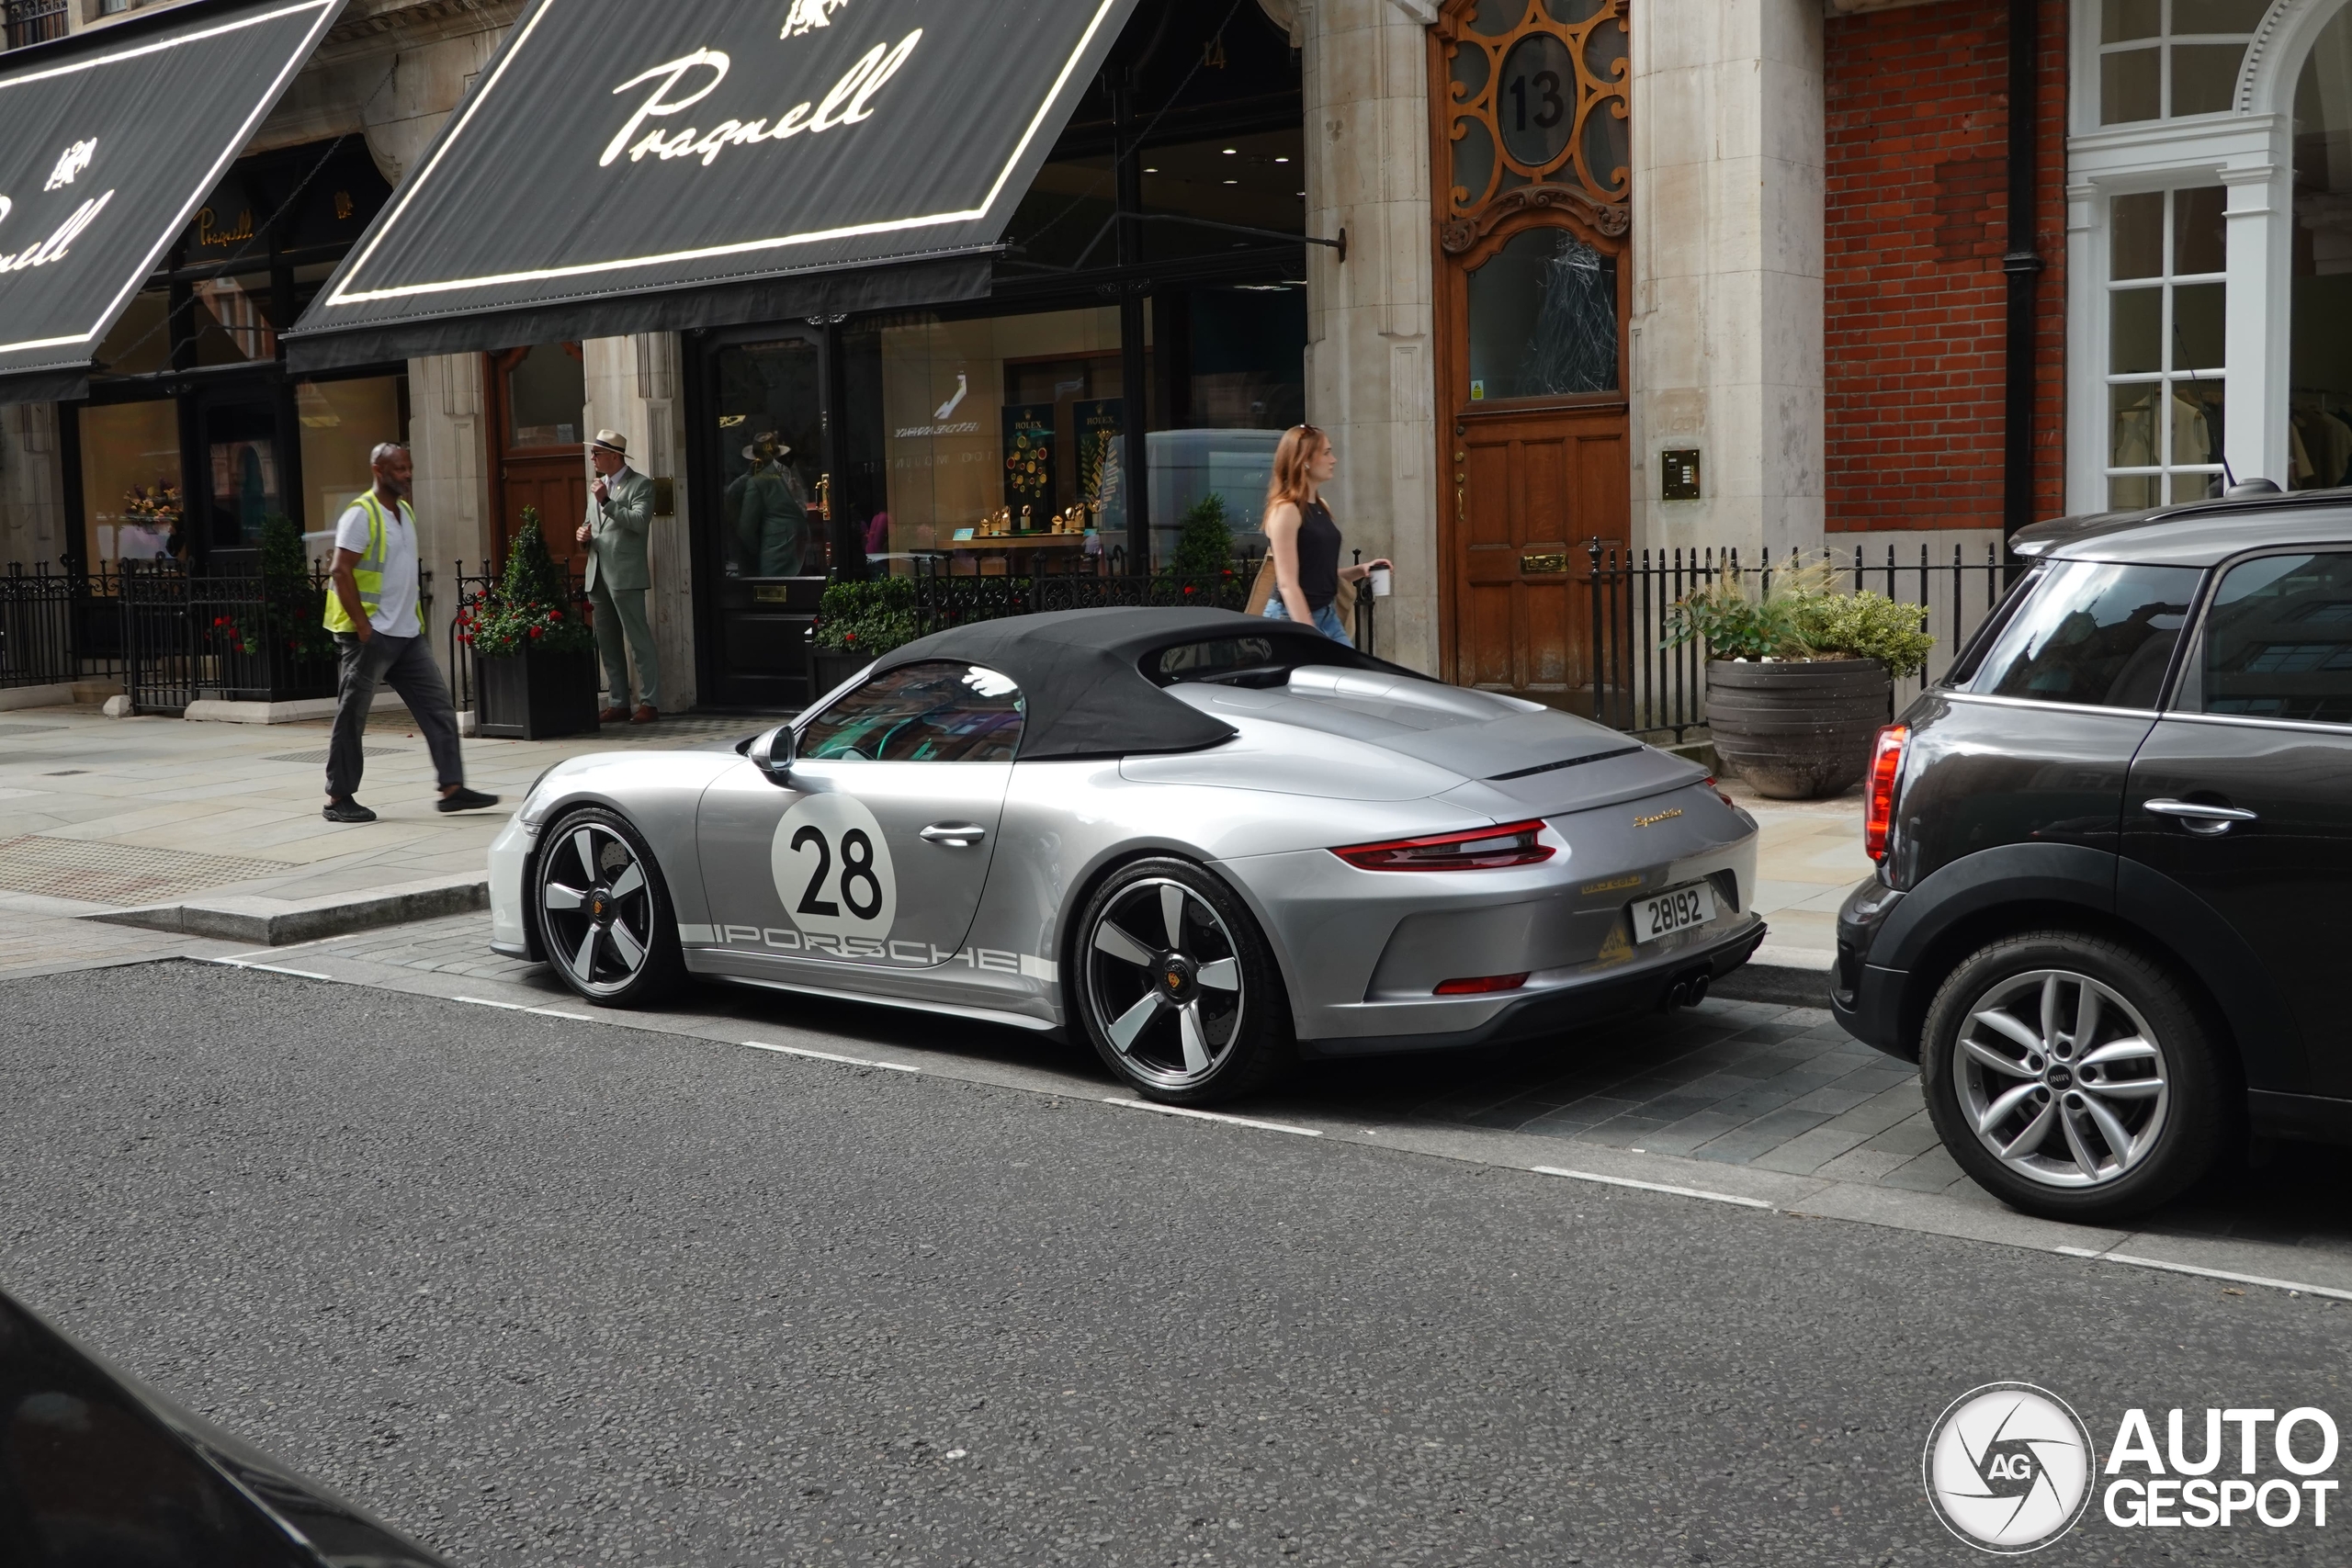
[2073, 1077]
[2061, 1078]
[604, 916]
[1176, 987]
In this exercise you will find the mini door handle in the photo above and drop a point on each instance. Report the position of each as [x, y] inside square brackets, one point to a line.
[961, 835]
[2208, 820]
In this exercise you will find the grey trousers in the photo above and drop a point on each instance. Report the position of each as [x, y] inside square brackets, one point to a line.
[405, 664]
[624, 634]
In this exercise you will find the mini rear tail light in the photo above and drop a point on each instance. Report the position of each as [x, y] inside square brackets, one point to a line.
[1481, 983]
[1481, 849]
[1886, 766]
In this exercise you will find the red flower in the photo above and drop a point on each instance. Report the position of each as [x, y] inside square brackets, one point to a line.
[220, 620]
[555, 614]
[534, 631]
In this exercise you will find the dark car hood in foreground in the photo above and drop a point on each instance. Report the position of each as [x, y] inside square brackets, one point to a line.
[98, 1471]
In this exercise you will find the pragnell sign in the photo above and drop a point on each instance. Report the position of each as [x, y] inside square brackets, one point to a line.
[71, 163]
[848, 101]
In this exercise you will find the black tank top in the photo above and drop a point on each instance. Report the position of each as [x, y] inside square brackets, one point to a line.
[1319, 555]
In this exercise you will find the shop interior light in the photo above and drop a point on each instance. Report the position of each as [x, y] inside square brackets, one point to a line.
[1281, 160]
[1482, 849]
[1151, 171]
[1231, 151]
[1232, 182]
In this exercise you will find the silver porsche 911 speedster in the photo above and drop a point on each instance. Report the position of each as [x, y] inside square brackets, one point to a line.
[1208, 840]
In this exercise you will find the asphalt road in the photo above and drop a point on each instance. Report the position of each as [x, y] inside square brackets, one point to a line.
[547, 1293]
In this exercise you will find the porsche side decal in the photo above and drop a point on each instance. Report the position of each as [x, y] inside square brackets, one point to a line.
[868, 949]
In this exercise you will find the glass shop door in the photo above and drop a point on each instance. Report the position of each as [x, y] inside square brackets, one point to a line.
[765, 546]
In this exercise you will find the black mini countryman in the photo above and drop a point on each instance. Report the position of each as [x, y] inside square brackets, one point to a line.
[2112, 916]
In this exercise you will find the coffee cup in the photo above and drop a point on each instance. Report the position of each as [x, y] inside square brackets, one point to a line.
[1379, 576]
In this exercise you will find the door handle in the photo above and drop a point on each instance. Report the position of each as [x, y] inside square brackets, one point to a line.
[2208, 820]
[958, 835]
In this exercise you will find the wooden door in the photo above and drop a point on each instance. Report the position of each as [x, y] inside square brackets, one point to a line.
[1532, 489]
[539, 396]
[1529, 114]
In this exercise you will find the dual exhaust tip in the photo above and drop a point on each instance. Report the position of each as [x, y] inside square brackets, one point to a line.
[1687, 989]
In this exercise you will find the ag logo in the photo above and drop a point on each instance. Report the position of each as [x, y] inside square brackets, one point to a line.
[832, 868]
[2008, 1468]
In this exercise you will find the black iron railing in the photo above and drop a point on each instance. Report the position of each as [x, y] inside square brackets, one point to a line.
[170, 636]
[1641, 685]
[35, 21]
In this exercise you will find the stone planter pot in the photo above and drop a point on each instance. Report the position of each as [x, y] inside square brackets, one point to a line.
[536, 695]
[1796, 729]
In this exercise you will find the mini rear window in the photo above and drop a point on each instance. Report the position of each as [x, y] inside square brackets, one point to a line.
[2097, 634]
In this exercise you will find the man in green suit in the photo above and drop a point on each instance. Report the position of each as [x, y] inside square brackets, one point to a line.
[620, 513]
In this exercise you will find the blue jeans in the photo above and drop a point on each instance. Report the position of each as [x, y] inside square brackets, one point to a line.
[1326, 620]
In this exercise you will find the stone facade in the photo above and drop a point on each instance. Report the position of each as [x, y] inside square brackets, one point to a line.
[1726, 322]
[1369, 376]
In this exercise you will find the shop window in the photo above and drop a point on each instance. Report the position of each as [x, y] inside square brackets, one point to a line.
[236, 319]
[771, 428]
[546, 391]
[341, 422]
[994, 414]
[1256, 181]
[141, 341]
[2320, 344]
[130, 480]
[1063, 219]
[1543, 319]
[2167, 307]
[2166, 59]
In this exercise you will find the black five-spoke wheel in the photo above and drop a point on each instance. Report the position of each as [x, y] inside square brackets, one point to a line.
[604, 919]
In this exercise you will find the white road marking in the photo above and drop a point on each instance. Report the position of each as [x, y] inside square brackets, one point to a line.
[829, 1056]
[273, 968]
[2131, 1261]
[559, 1013]
[1652, 1186]
[486, 1002]
[1215, 1116]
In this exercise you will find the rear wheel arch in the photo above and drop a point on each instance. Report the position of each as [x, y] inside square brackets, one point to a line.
[1979, 929]
[1069, 942]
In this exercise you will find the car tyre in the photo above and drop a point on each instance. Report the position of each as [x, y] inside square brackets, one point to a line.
[2072, 1077]
[602, 910]
[1176, 985]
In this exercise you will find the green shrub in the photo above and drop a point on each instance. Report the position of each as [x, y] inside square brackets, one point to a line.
[1802, 615]
[532, 606]
[871, 618]
[1204, 547]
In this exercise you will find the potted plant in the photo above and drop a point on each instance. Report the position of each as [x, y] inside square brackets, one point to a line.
[857, 624]
[535, 654]
[1799, 676]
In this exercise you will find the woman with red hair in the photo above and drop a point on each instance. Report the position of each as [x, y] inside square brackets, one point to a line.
[1302, 540]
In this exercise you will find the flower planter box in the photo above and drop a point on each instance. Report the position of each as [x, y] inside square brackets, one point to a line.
[536, 695]
[1796, 729]
[827, 669]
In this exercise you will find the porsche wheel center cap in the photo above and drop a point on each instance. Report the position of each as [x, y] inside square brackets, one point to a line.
[1175, 974]
[599, 902]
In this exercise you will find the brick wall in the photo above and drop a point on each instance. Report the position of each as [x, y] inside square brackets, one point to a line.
[1916, 300]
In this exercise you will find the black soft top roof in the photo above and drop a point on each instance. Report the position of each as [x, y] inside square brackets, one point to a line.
[1081, 675]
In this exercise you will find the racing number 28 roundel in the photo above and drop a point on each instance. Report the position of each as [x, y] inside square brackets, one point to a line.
[832, 869]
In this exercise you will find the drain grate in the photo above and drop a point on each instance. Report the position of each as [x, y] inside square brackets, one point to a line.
[99, 872]
[320, 756]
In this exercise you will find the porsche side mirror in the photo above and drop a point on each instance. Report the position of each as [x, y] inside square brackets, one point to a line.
[772, 752]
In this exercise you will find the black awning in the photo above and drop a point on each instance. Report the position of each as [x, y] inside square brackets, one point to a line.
[625, 167]
[108, 142]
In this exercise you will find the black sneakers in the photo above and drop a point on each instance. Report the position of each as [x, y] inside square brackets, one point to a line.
[464, 800]
[347, 811]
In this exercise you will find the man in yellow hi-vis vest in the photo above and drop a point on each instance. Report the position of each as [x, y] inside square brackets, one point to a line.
[373, 613]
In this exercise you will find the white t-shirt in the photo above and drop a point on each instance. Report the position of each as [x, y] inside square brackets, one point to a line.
[395, 612]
